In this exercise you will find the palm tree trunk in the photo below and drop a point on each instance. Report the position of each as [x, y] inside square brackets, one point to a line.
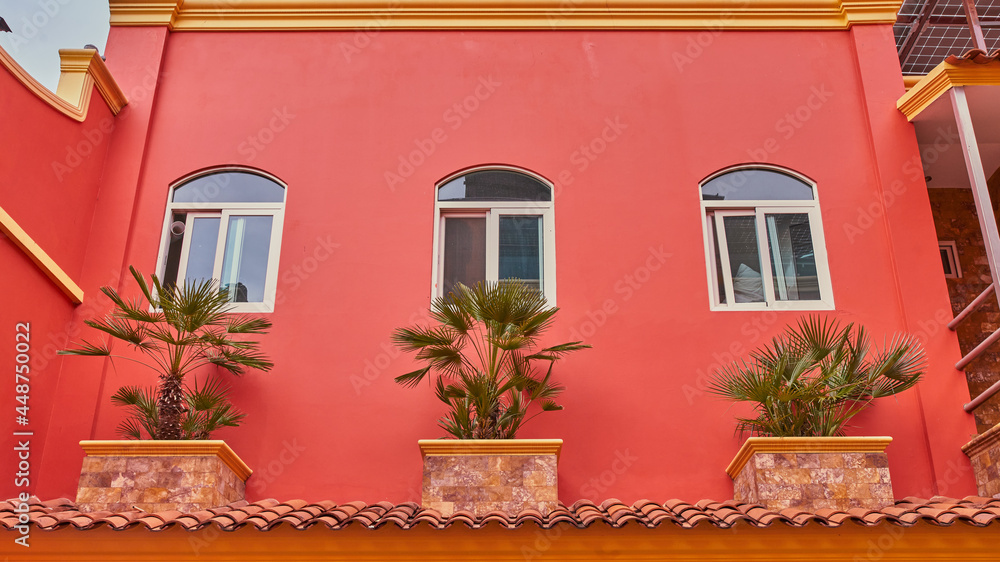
[170, 406]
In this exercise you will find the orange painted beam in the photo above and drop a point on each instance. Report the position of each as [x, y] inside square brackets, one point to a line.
[20, 238]
[705, 543]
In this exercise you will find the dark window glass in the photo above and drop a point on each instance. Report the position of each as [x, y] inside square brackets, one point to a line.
[756, 184]
[718, 262]
[494, 185]
[946, 262]
[521, 249]
[174, 249]
[464, 251]
[793, 261]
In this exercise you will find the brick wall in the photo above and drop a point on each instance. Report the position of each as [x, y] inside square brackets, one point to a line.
[955, 219]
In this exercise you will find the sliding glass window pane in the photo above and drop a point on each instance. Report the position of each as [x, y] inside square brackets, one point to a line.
[244, 265]
[792, 258]
[201, 252]
[464, 251]
[520, 249]
[744, 259]
[718, 261]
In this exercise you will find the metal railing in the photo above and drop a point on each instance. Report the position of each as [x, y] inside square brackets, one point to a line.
[979, 349]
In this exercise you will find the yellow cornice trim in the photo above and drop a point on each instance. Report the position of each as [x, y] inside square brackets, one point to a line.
[81, 69]
[20, 238]
[911, 81]
[145, 12]
[183, 15]
[754, 445]
[983, 441]
[168, 448]
[464, 447]
[942, 78]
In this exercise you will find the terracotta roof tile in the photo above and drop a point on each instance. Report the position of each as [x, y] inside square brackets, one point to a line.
[976, 56]
[300, 514]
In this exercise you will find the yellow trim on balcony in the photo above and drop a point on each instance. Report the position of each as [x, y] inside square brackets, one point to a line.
[49, 267]
[463, 447]
[182, 15]
[942, 78]
[911, 81]
[754, 445]
[169, 448]
[81, 69]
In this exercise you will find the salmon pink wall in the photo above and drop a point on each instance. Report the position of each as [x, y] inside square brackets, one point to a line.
[51, 167]
[625, 124]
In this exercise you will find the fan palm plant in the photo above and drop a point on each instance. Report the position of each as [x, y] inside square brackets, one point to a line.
[811, 380]
[178, 329]
[483, 354]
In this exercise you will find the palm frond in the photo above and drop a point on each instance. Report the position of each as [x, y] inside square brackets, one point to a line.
[189, 327]
[484, 344]
[815, 377]
[88, 349]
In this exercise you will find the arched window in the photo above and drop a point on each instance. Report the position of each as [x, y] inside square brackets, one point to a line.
[493, 224]
[226, 225]
[764, 241]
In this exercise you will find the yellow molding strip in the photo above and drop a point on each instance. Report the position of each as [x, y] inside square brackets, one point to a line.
[983, 441]
[81, 69]
[941, 79]
[184, 15]
[464, 447]
[911, 81]
[167, 448]
[754, 445]
[20, 238]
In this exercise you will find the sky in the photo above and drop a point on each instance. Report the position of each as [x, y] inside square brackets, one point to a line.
[42, 27]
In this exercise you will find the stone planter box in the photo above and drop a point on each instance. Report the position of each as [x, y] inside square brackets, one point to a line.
[155, 476]
[509, 475]
[812, 473]
[984, 452]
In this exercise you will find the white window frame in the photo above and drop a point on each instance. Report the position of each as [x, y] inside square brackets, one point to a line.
[224, 210]
[716, 210]
[493, 210]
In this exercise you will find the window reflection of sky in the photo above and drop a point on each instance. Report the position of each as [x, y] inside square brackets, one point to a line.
[453, 190]
[254, 245]
[756, 185]
[230, 187]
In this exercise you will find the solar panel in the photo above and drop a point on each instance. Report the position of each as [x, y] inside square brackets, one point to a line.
[924, 42]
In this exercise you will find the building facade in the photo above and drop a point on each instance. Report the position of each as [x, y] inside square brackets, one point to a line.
[683, 179]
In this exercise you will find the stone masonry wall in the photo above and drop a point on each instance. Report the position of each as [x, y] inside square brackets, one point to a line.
[485, 483]
[984, 452]
[955, 219]
[154, 483]
[811, 481]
